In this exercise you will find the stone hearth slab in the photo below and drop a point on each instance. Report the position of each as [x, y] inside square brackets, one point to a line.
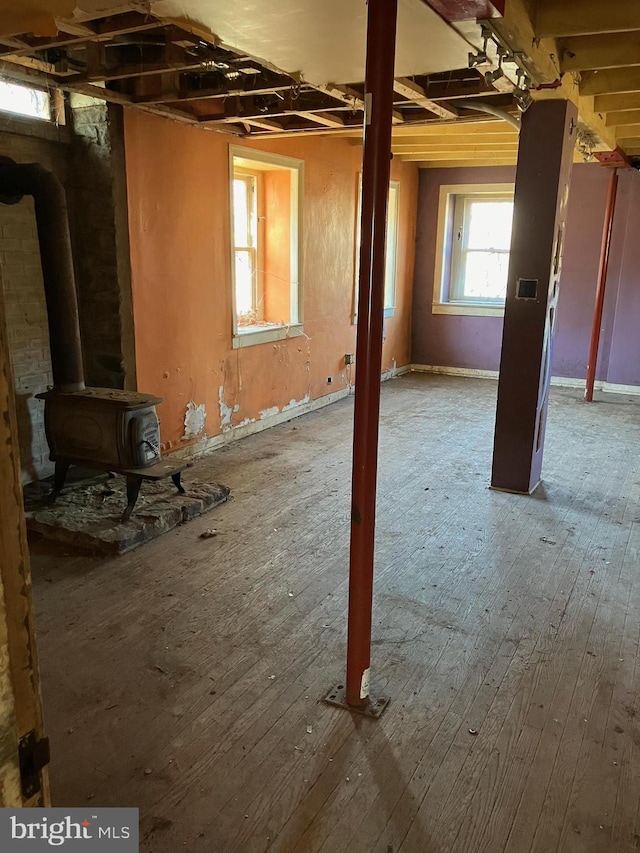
[87, 513]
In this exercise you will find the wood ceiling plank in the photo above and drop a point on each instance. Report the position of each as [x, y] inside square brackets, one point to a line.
[459, 127]
[130, 22]
[622, 117]
[416, 94]
[611, 81]
[325, 119]
[262, 123]
[168, 95]
[471, 155]
[453, 149]
[562, 18]
[457, 164]
[585, 53]
[628, 131]
[612, 103]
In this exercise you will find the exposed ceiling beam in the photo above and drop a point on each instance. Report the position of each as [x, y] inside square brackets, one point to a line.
[416, 94]
[344, 94]
[623, 117]
[582, 53]
[487, 140]
[325, 119]
[171, 93]
[610, 81]
[262, 123]
[629, 131]
[460, 163]
[447, 148]
[74, 29]
[458, 127]
[469, 154]
[561, 18]
[612, 103]
[516, 28]
[130, 22]
[119, 98]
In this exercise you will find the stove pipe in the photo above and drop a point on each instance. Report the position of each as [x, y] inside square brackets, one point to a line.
[52, 220]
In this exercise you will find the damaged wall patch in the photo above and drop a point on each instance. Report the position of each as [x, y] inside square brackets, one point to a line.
[194, 420]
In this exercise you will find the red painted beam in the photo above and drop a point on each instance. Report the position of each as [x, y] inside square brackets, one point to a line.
[468, 10]
[613, 159]
[381, 38]
[607, 231]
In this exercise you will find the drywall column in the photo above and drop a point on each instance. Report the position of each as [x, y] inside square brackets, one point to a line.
[545, 155]
[381, 37]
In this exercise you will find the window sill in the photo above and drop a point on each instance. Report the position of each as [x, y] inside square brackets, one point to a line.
[40, 128]
[253, 335]
[467, 309]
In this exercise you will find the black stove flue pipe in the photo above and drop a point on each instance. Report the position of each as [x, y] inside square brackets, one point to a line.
[52, 220]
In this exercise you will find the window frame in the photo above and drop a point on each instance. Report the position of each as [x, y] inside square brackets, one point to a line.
[255, 246]
[391, 257]
[251, 160]
[55, 103]
[445, 258]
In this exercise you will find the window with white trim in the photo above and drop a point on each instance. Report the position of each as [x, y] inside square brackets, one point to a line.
[473, 246]
[265, 235]
[391, 250]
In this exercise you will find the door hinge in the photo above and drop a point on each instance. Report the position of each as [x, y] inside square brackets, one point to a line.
[34, 754]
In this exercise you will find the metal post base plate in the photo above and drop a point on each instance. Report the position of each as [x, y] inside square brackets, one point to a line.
[371, 707]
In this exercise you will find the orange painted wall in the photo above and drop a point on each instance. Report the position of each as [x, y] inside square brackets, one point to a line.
[178, 187]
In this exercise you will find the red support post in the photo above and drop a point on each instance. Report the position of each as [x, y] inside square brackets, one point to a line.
[607, 231]
[381, 35]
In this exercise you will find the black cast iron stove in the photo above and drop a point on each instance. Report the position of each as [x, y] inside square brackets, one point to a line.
[105, 428]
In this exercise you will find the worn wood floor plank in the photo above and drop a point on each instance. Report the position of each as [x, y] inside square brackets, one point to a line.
[182, 678]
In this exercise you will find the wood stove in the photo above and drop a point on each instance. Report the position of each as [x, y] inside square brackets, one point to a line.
[109, 429]
[102, 428]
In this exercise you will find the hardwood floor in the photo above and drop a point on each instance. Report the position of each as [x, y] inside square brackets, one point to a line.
[185, 678]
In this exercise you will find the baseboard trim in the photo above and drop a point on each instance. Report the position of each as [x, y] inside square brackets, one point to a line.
[469, 372]
[557, 381]
[235, 433]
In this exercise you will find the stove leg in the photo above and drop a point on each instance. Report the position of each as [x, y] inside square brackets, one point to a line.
[133, 490]
[176, 482]
[59, 477]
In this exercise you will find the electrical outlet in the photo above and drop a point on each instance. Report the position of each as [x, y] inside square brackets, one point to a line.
[349, 358]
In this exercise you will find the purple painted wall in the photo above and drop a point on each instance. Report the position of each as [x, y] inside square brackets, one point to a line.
[474, 342]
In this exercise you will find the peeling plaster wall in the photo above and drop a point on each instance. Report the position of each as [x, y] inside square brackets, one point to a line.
[178, 192]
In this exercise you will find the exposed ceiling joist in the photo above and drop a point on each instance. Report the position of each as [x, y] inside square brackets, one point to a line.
[417, 95]
[323, 118]
[562, 18]
[610, 81]
[611, 103]
[263, 123]
[622, 117]
[466, 145]
[464, 127]
[460, 163]
[595, 52]
[112, 27]
[629, 131]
